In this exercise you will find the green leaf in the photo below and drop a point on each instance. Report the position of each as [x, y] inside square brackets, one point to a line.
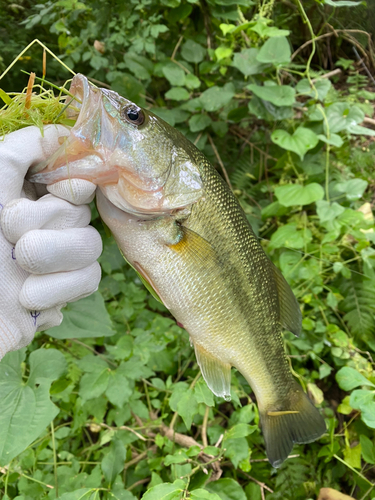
[165, 491]
[127, 85]
[348, 378]
[203, 394]
[361, 398]
[246, 61]
[177, 94]
[113, 462]
[25, 407]
[215, 97]
[201, 494]
[295, 194]
[174, 74]
[81, 494]
[300, 142]
[368, 449]
[359, 130]
[92, 385]
[236, 450]
[353, 189]
[199, 122]
[4, 96]
[223, 53]
[192, 82]
[227, 489]
[275, 51]
[46, 365]
[279, 95]
[341, 115]
[118, 390]
[193, 52]
[327, 211]
[239, 431]
[290, 236]
[87, 317]
[333, 140]
[187, 407]
[321, 88]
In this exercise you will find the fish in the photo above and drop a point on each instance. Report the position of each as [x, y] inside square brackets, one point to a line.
[179, 225]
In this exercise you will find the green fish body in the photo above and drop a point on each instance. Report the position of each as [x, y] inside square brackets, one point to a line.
[182, 229]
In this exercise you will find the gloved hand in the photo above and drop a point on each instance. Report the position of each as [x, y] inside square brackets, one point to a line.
[48, 251]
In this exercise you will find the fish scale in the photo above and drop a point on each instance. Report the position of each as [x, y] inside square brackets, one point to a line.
[179, 225]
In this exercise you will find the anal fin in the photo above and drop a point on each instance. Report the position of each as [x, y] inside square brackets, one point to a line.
[216, 373]
[290, 313]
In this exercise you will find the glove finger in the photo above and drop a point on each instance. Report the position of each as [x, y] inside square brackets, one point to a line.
[47, 251]
[49, 318]
[41, 292]
[22, 149]
[76, 191]
[22, 215]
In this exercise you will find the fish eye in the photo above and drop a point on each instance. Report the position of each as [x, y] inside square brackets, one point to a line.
[133, 115]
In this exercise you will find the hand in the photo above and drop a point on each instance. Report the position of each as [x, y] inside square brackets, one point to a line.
[48, 251]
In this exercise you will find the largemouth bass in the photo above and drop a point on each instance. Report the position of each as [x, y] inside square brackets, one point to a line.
[179, 225]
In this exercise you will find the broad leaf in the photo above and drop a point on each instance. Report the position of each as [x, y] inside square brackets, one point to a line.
[25, 407]
[113, 462]
[275, 51]
[192, 51]
[300, 142]
[215, 97]
[295, 194]
[279, 95]
[227, 489]
[246, 61]
[348, 378]
[165, 491]
[87, 317]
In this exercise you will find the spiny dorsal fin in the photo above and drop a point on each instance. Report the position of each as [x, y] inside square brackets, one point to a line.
[290, 313]
[216, 373]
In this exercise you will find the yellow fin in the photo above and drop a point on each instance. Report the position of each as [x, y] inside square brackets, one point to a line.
[216, 373]
[194, 245]
[290, 313]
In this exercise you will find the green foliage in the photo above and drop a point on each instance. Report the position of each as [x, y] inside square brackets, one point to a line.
[110, 403]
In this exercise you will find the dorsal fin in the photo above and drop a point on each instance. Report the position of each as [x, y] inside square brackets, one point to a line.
[290, 313]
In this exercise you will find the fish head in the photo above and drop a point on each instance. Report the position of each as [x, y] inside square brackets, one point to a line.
[140, 163]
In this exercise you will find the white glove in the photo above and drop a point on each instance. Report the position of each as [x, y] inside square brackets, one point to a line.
[47, 250]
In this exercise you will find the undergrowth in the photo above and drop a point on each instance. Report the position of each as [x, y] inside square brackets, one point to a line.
[111, 403]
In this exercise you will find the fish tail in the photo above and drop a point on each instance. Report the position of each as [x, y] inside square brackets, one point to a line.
[295, 420]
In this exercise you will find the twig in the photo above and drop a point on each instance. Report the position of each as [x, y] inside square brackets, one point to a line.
[266, 459]
[259, 483]
[370, 121]
[360, 60]
[177, 47]
[253, 145]
[334, 72]
[122, 428]
[138, 483]
[204, 427]
[220, 162]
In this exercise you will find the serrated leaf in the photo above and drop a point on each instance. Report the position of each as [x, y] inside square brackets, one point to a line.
[187, 407]
[279, 95]
[359, 305]
[165, 491]
[227, 489]
[113, 462]
[203, 394]
[201, 494]
[348, 378]
[302, 140]
[295, 194]
[87, 317]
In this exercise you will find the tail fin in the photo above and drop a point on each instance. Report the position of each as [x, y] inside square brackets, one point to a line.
[298, 421]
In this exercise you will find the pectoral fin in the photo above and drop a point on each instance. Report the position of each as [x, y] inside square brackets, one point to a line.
[290, 314]
[216, 373]
[195, 247]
